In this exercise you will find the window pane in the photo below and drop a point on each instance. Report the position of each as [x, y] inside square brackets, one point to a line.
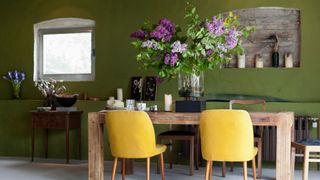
[67, 53]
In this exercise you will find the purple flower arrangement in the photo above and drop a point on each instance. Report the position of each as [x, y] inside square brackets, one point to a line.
[15, 77]
[207, 44]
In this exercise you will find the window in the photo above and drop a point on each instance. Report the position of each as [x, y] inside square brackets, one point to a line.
[64, 50]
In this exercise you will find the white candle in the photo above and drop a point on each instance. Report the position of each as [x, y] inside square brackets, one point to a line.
[259, 61]
[119, 94]
[288, 60]
[242, 61]
[167, 102]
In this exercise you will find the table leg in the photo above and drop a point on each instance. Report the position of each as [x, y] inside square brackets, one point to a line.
[95, 147]
[67, 145]
[283, 166]
[79, 143]
[32, 143]
[46, 132]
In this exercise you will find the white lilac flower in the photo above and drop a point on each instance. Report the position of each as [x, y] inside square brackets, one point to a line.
[150, 44]
[177, 47]
[222, 47]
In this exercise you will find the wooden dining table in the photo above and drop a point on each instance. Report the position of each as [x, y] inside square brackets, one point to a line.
[284, 121]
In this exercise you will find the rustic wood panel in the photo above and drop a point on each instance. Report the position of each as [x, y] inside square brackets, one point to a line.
[285, 22]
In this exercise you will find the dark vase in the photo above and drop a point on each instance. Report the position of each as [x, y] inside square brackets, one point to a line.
[50, 101]
[275, 59]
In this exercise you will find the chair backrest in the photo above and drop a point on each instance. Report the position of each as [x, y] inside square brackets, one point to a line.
[255, 101]
[131, 134]
[226, 135]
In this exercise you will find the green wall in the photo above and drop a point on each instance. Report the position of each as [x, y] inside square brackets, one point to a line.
[115, 60]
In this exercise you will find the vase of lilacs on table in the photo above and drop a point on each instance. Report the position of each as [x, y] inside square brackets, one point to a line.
[50, 89]
[16, 78]
[207, 44]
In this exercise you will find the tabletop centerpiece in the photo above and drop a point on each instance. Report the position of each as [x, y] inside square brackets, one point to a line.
[16, 78]
[207, 44]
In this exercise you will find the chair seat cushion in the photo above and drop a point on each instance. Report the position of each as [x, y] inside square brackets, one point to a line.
[310, 142]
[177, 133]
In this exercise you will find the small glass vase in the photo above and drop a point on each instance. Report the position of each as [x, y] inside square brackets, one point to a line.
[16, 90]
[191, 86]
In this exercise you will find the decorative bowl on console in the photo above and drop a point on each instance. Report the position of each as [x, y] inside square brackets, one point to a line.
[65, 100]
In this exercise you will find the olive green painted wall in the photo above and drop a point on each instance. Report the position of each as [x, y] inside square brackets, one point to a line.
[115, 62]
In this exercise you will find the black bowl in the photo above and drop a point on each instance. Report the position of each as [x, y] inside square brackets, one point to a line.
[66, 101]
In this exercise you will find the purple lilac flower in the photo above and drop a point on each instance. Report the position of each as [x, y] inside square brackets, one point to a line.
[215, 26]
[140, 34]
[171, 59]
[164, 30]
[177, 47]
[167, 59]
[232, 39]
[209, 52]
[170, 26]
[150, 44]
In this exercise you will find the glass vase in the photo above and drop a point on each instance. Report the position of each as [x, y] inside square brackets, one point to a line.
[16, 88]
[191, 86]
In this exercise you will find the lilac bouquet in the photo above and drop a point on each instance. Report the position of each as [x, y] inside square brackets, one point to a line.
[160, 47]
[15, 77]
[208, 43]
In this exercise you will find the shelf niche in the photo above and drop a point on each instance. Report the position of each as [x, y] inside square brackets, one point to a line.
[270, 21]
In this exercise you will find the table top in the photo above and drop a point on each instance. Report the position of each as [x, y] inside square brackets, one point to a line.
[187, 118]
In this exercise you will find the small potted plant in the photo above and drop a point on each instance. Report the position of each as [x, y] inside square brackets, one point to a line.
[50, 89]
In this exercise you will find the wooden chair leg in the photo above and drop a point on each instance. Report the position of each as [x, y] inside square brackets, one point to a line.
[162, 166]
[223, 169]
[114, 168]
[197, 155]
[208, 166]
[191, 159]
[245, 170]
[231, 166]
[159, 159]
[259, 158]
[148, 169]
[305, 164]
[254, 168]
[211, 170]
[123, 169]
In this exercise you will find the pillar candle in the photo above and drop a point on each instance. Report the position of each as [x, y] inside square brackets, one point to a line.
[167, 102]
[119, 94]
[288, 60]
[241, 61]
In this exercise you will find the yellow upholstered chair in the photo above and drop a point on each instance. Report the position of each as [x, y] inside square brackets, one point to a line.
[131, 135]
[227, 136]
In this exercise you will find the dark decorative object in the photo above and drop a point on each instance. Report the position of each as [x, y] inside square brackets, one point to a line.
[190, 106]
[150, 88]
[275, 53]
[67, 101]
[136, 87]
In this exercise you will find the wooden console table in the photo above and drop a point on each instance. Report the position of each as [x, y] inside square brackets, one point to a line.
[284, 122]
[56, 120]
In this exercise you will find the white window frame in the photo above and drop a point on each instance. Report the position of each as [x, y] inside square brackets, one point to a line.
[58, 26]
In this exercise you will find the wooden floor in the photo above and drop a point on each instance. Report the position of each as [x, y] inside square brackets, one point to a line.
[42, 169]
